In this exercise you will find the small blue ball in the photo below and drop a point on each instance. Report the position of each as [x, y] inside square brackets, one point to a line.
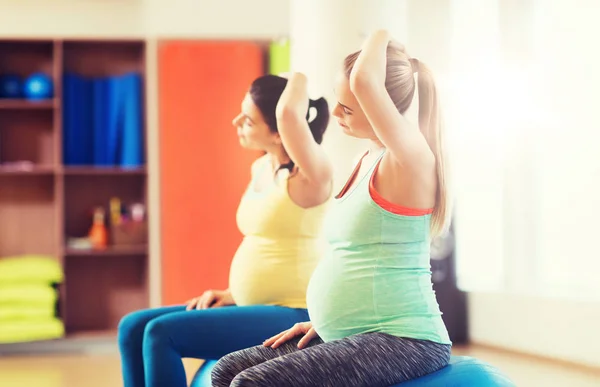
[10, 86]
[38, 86]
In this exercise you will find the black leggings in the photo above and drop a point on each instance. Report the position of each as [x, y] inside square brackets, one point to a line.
[369, 360]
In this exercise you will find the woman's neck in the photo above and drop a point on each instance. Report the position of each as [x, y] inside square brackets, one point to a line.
[375, 146]
[278, 157]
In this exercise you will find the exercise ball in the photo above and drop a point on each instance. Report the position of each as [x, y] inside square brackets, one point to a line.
[10, 86]
[38, 86]
[463, 371]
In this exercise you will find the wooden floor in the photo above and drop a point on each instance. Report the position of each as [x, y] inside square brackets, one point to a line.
[103, 370]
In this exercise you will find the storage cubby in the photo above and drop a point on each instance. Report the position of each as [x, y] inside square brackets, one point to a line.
[103, 104]
[102, 289]
[27, 136]
[27, 57]
[21, 59]
[28, 215]
[84, 192]
[63, 156]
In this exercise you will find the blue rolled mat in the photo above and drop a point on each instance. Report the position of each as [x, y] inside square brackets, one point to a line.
[132, 139]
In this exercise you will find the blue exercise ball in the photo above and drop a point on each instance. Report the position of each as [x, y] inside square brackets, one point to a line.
[10, 86]
[462, 371]
[38, 86]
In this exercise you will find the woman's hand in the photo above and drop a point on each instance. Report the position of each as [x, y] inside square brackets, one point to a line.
[370, 67]
[305, 328]
[211, 299]
[297, 134]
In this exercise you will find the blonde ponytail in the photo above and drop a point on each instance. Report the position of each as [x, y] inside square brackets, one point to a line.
[431, 128]
[400, 84]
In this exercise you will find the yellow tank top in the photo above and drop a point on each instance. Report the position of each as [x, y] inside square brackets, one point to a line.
[281, 247]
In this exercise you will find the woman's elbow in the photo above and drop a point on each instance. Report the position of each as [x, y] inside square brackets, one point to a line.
[286, 113]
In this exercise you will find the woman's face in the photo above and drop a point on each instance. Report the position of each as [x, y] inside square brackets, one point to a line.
[348, 113]
[252, 130]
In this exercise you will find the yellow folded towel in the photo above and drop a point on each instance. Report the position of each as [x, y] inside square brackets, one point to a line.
[30, 268]
[35, 330]
[26, 312]
[27, 294]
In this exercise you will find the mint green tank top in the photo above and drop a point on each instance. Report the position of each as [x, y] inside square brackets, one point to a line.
[376, 275]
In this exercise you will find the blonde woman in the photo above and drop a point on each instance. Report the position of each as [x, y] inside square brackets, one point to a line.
[374, 317]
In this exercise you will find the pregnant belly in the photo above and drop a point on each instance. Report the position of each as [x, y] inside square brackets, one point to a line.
[265, 272]
[340, 300]
[347, 297]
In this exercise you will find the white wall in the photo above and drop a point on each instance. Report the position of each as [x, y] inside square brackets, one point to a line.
[538, 276]
[38, 18]
[256, 19]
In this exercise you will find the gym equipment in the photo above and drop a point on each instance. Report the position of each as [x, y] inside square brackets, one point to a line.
[10, 86]
[462, 371]
[131, 152]
[38, 86]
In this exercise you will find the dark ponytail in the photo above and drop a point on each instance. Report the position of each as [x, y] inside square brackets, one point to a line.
[319, 124]
[265, 92]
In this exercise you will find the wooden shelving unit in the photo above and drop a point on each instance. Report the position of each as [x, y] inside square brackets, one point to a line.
[44, 202]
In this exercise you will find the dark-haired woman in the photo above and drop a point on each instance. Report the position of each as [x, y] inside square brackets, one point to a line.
[280, 216]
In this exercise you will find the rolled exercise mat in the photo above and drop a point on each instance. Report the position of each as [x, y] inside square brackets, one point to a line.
[279, 57]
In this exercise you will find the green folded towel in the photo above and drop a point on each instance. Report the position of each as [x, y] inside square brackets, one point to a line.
[27, 294]
[30, 268]
[13, 313]
[24, 331]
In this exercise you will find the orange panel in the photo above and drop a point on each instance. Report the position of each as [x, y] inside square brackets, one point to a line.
[204, 171]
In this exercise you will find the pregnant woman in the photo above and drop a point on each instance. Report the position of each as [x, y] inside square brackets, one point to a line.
[280, 216]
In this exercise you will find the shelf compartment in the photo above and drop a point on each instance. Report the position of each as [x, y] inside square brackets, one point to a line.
[100, 291]
[28, 216]
[83, 193]
[25, 57]
[101, 78]
[27, 135]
